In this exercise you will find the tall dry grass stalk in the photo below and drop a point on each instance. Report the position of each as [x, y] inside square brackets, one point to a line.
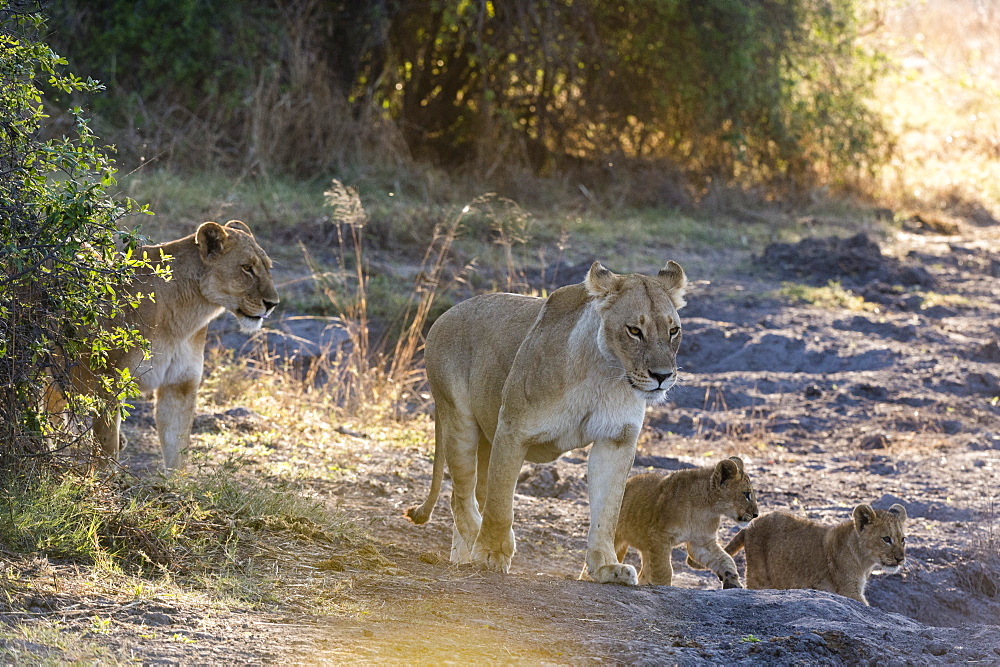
[365, 377]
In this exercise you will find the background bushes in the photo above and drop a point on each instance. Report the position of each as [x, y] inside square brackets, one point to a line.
[751, 93]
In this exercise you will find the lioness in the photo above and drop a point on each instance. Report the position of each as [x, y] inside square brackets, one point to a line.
[518, 378]
[787, 551]
[218, 268]
[659, 512]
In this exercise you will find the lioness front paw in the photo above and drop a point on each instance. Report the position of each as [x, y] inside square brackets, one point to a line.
[731, 580]
[617, 573]
[488, 559]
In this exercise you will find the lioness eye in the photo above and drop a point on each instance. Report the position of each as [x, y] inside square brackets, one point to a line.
[635, 331]
[673, 332]
[248, 268]
[747, 495]
[887, 540]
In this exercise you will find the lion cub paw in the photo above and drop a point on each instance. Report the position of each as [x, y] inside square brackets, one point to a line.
[492, 561]
[731, 580]
[617, 573]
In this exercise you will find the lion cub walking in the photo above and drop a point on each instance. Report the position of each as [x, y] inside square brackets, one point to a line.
[787, 551]
[659, 512]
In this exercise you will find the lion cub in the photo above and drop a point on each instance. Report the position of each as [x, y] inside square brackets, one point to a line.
[786, 551]
[659, 512]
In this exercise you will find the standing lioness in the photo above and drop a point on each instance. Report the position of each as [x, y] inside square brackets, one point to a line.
[518, 378]
[217, 268]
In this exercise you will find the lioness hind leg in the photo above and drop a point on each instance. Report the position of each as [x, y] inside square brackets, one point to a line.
[460, 437]
[482, 473]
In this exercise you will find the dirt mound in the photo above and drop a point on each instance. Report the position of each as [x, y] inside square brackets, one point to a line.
[856, 260]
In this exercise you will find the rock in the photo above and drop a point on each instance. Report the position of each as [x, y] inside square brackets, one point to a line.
[874, 441]
[988, 352]
[155, 618]
[662, 463]
[541, 481]
[936, 648]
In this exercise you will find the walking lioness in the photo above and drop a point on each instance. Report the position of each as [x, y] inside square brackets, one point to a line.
[218, 268]
[787, 551]
[518, 378]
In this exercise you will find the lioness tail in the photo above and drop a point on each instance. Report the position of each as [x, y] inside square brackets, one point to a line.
[419, 514]
[736, 543]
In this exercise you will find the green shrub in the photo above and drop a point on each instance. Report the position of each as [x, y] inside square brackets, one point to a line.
[61, 272]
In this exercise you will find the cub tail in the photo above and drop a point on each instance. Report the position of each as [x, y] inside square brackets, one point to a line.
[737, 543]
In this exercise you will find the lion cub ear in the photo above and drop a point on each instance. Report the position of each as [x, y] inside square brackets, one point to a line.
[863, 515]
[673, 278]
[599, 281]
[211, 240]
[726, 470]
[899, 511]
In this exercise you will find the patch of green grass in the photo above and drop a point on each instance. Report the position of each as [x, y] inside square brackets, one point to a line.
[931, 299]
[184, 525]
[49, 643]
[832, 296]
[183, 201]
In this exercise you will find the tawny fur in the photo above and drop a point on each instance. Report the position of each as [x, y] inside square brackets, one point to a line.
[786, 551]
[661, 512]
[518, 378]
[218, 268]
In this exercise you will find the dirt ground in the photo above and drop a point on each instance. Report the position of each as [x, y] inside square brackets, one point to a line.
[889, 400]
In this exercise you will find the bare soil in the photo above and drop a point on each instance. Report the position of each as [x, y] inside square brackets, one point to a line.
[829, 408]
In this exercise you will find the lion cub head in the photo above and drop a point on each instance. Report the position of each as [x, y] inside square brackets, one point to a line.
[735, 496]
[639, 324]
[237, 272]
[880, 535]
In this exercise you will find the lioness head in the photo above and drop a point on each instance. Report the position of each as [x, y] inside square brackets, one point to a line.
[237, 272]
[736, 497]
[639, 324]
[881, 535]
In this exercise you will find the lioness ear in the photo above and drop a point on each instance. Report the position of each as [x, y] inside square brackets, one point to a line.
[738, 461]
[899, 511]
[863, 515]
[673, 278]
[240, 225]
[211, 239]
[726, 470]
[599, 281]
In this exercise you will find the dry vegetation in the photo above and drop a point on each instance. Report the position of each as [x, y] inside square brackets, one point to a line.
[943, 100]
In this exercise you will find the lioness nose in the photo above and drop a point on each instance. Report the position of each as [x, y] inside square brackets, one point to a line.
[269, 305]
[755, 515]
[660, 377]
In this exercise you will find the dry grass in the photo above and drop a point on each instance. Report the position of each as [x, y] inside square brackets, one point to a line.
[942, 103]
